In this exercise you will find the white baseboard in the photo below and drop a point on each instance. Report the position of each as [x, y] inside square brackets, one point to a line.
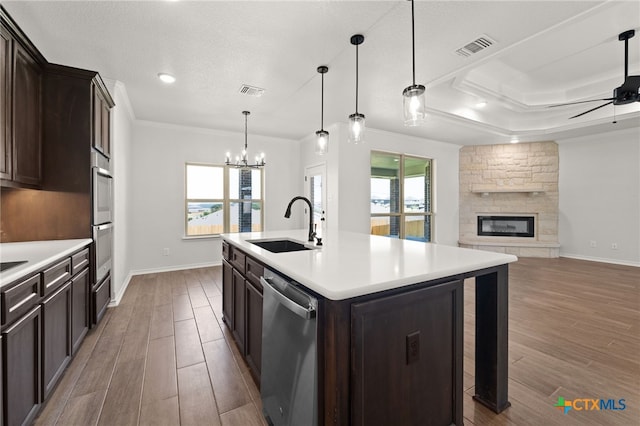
[118, 297]
[600, 259]
[175, 268]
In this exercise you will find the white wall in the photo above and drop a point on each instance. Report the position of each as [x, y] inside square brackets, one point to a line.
[599, 187]
[158, 159]
[122, 119]
[349, 172]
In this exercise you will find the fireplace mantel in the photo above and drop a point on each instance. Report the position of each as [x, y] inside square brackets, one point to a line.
[491, 189]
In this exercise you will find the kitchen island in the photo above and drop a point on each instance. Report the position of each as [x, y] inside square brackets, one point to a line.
[390, 322]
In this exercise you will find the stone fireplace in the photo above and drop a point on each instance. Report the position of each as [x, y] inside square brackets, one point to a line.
[509, 198]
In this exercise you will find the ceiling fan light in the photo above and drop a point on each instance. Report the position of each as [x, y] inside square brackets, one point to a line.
[356, 128]
[414, 105]
[322, 142]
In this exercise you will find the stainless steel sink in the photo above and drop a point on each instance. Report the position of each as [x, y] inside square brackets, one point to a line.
[280, 246]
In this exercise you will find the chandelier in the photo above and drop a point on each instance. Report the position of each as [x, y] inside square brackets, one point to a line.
[241, 161]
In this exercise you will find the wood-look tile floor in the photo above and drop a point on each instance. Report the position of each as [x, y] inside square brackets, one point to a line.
[164, 357]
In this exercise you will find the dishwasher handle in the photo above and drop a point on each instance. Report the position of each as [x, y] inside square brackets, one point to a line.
[306, 312]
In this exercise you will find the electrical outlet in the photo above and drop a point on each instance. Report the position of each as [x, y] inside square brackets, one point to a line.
[592, 243]
[165, 251]
[413, 347]
[614, 246]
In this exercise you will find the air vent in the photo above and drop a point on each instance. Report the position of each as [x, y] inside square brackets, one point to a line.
[475, 46]
[256, 92]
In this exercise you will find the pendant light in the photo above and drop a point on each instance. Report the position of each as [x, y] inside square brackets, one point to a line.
[322, 136]
[242, 161]
[413, 96]
[356, 120]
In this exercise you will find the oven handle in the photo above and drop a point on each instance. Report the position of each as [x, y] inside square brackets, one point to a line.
[306, 312]
[102, 172]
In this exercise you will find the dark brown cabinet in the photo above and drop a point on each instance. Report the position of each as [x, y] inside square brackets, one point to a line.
[56, 337]
[400, 342]
[21, 111]
[27, 117]
[21, 365]
[227, 293]
[5, 103]
[100, 297]
[242, 304]
[101, 123]
[253, 338]
[238, 309]
[44, 319]
[79, 308]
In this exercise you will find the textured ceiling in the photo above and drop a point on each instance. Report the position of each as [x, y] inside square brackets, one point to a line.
[545, 52]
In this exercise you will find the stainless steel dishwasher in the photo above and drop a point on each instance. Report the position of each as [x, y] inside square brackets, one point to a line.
[288, 382]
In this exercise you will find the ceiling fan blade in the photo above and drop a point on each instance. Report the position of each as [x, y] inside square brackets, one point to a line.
[579, 102]
[592, 109]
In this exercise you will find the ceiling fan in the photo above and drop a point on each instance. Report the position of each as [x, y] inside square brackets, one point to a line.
[625, 94]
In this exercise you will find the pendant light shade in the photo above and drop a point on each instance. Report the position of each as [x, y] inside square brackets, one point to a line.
[322, 136]
[356, 120]
[413, 98]
[242, 160]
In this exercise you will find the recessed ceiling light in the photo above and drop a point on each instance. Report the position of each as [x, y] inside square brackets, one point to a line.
[481, 104]
[166, 78]
[514, 140]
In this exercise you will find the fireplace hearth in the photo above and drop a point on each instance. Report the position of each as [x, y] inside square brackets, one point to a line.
[506, 226]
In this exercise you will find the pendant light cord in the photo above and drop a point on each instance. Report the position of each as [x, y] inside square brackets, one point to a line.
[413, 44]
[245, 133]
[356, 78]
[322, 105]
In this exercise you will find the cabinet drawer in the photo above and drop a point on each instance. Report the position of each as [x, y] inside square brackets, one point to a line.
[79, 260]
[237, 259]
[254, 270]
[225, 250]
[20, 298]
[55, 276]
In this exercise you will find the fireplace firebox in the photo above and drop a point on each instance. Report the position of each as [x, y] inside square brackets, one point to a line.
[506, 226]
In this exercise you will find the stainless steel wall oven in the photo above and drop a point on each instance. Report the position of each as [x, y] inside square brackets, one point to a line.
[102, 233]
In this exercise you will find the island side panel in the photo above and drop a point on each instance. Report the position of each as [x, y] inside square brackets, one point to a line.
[492, 337]
[334, 363]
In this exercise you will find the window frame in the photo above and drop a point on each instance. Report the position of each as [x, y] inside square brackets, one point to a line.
[402, 215]
[226, 200]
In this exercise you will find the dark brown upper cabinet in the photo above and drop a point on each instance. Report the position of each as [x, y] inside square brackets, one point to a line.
[21, 108]
[101, 122]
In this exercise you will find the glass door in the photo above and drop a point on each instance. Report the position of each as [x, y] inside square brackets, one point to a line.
[316, 191]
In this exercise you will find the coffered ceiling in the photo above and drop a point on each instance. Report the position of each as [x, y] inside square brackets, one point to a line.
[543, 53]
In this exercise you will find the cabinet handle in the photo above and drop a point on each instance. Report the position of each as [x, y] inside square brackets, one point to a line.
[28, 316]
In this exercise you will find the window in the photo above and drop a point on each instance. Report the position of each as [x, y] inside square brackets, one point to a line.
[222, 199]
[401, 188]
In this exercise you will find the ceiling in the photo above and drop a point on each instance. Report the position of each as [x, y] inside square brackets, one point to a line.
[544, 52]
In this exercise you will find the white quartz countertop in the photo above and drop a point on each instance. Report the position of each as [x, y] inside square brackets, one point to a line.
[351, 264]
[38, 254]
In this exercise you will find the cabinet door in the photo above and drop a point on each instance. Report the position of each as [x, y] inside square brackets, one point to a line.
[407, 358]
[21, 365]
[5, 104]
[238, 309]
[56, 337]
[101, 123]
[79, 308]
[254, 330]
[27, 104]
[100, 298]
[227, 294]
